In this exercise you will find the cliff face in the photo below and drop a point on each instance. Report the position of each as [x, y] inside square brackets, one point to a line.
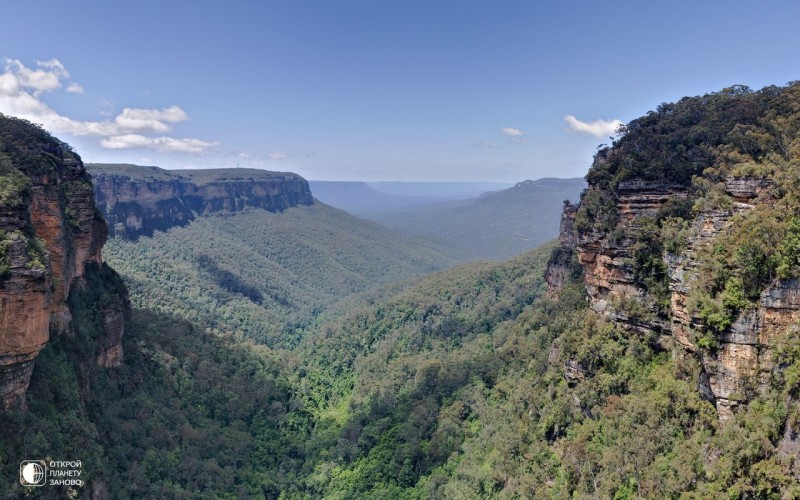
[50, 232]
[740, 363]
[608, 260]
[560, 269]
[689, 235]
[139, 200]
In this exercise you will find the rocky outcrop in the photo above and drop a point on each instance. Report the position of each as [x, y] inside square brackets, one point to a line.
[742, 364]
[559, 269]
[110, 354]
[788, 449]
[607, 258]
[139, 200]
[739, 365]
[683, 272]
[745, 189]
[49, 232]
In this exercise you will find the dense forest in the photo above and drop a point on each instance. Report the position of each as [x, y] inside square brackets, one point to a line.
[469, 384]
[262, 366]
[266, 275]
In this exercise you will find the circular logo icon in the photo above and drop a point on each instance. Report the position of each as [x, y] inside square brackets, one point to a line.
[32, 473]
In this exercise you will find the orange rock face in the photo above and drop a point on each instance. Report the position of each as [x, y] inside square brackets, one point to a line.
[50, 233]
[609, 274]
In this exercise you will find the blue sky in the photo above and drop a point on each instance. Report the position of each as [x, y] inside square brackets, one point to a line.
[368, 90]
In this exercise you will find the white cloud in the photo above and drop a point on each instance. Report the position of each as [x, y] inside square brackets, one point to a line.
[172, 145]
[162, 144]
[514, 134]
[21, 89]
[54, 65]
[597, 128]
[149, 120]
[278, 155]
[46, 78]
[126, 141]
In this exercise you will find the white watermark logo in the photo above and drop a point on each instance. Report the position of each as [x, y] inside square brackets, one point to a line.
[52, 473]
[32, 473]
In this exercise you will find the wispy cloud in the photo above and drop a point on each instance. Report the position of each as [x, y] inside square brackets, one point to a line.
[278, 155]
[21, 89]
[597, 128]
[485, 144]
[514, 134]
[162, 144]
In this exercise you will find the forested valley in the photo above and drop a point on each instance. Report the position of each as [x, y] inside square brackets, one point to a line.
[337, 360]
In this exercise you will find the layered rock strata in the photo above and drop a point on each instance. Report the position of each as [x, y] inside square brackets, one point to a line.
[50, 231]
[139, 200]
[609, 274]
[741, 364]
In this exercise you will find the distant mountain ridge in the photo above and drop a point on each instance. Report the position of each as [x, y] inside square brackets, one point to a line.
[451, 190]
[496, 225]
[137, 200]
[359, 198]
[374, 199]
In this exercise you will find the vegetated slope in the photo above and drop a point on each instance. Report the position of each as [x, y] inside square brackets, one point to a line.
[382, 379]
[694, 396]
[189, 414]
[266, 275]
[470, 384]
[475, 384]
[497, 225]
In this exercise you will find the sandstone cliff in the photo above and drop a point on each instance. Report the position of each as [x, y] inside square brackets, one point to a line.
[689, 235]
[50, 231]
[739, 364]
[139, 200]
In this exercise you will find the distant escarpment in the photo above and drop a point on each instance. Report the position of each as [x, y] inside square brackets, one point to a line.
[689, 234]
[51, 235]
[138, 200]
